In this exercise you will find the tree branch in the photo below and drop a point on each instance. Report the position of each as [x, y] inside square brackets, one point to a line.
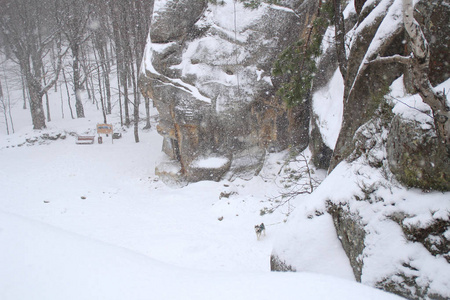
[405, 60]
[419, 43]
[49, 85]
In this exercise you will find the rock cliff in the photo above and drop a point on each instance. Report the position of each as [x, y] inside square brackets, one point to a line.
[387, 156]
[209, 75]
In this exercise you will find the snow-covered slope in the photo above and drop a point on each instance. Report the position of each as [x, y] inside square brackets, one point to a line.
[92, 221]
[43, 262]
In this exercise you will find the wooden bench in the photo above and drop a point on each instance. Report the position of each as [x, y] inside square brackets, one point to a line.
[85, 139]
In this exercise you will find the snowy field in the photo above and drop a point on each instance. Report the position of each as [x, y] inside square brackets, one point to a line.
[94, 222]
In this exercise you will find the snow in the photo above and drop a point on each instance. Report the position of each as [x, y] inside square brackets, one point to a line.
[328, 106]
[392, 19]
[94, 221]
[147, 65]
[224, 13]
[210, 162]
[219, 67]
[50, 263]
[411, 107]
[328, 39]
[349, 9]
[387, 253]
[388, 27]
[307, 240]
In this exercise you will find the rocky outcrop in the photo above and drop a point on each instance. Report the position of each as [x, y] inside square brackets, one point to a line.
[210, 78]
[416, 156]
[351, 233]
[378, 137]
[365, 83]
[327, 65]
[278, 265]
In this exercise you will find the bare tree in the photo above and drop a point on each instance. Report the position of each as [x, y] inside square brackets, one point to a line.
[297, 178]
[418, 64]
[114, 27]
[101, 37]
[340, 37]
[68, 93]
[130, 21]
[4, 108]
[73, 19]
[29, 31]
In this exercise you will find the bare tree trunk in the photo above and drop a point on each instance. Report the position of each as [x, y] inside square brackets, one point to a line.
[4, 108]
[6, 103]
[68, 93]
[101, 94]
[108, 92]
[22, 24]
[127, 59]
[137, 100]
[120, 101]
[94, 98]
[77, 87]
[340, 37]
[136, 120]
[114, 10]
[36, 107]
[419, 69]
[148, 125]
[47, 104]
[62, 102]
[85, 67]
[125, 97]
[24, 91]
[9, 110]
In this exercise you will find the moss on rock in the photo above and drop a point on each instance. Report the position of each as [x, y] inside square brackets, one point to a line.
[416, 158]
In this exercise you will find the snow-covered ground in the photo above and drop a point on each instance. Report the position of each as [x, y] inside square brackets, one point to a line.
[94, 222]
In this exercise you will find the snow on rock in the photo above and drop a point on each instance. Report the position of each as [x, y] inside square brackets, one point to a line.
[209, 75]
[168, 167]
[411, 107]
[415, 156]
[404, 231]
[210, 162]
[328, 106]
[307, 238]
[391, 254]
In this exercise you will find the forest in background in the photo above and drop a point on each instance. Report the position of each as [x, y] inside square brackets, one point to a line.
[73, 46]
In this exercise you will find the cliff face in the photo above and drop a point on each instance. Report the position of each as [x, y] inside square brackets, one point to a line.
[388, 181]
[210, 79]
[209, 75]
[379, 32]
